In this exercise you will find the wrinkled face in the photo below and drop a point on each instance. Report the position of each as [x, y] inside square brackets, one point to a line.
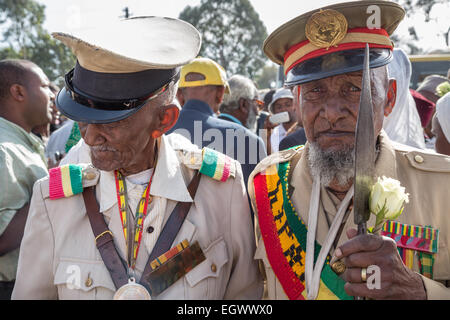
[329, 107]
[121, 144]
[39, 97]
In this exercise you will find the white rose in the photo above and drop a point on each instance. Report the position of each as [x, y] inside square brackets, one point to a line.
[389, 195]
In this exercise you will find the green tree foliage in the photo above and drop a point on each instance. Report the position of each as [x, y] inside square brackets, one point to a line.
[25, 38]
[232, 34]
[267, 77]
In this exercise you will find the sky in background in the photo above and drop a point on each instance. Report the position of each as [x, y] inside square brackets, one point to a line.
[66, 15]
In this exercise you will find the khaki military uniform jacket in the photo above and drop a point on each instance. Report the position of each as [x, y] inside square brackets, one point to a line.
[425, 176]
[58, 245]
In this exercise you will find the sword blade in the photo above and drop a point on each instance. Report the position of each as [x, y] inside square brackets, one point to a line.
[364, 151]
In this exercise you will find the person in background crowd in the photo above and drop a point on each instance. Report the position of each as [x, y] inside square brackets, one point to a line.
[282, 101]
[201, 90]
[242, 104]
[403, 125]
[241, 107]
[296, 135]
[45, 130]
[25, 103]
[441, 125]
[427, 88]
[262, 123]
[61, 141]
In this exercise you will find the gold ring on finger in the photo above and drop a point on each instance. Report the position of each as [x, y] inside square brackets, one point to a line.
[338, 267]
[364, 274]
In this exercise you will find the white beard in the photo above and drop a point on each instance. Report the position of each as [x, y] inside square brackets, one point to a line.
[331, 164]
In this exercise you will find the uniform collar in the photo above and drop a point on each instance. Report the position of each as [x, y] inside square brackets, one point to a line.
[230, 117]
[198, 105]
[168, 181]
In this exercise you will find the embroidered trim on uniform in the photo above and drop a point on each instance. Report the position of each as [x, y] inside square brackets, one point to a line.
[411, 240]
[65, 181]
[412, 237]
[284, 235]
[216, 165]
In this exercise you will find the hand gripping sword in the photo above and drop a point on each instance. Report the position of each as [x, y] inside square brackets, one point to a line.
[364, 153]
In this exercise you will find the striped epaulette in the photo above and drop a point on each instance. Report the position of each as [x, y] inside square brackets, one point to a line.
[68, 180]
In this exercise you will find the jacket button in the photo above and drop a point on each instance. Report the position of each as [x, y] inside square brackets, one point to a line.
[213, 268]
[88, 282]
[418, 159]
[150, 229]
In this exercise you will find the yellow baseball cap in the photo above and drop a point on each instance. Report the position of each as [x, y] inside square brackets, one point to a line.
[213, 72]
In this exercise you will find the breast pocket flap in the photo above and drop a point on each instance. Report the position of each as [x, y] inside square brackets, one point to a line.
[83, 275]
[216, 257]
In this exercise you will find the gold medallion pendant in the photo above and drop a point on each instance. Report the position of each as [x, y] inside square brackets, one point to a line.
[132, 291]
[326, 28]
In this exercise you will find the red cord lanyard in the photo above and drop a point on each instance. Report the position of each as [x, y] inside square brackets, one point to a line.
[141, 213]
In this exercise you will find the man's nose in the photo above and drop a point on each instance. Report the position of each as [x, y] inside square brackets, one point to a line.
[334, 110]
[93, 134]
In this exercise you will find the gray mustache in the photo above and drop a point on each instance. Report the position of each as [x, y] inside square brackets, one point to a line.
[103, 148]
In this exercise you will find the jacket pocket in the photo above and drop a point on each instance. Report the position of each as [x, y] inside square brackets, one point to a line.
[83, 279]
[442, 261]
[206, 281]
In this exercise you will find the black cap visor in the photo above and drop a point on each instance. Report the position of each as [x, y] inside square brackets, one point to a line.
[335, 63]
[81, 113]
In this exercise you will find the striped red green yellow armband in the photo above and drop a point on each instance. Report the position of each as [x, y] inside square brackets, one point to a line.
[216, 165]
[65, 181]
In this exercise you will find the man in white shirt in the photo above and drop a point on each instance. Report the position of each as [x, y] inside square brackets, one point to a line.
[282, 101]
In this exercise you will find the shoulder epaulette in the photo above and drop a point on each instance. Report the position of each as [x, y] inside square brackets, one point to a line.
[209, 162]
[68, 180]
[217, 165]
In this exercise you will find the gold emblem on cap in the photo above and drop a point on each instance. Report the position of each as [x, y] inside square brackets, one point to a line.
[326, 28]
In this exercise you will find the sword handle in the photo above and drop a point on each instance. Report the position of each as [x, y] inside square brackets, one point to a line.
[362, 229]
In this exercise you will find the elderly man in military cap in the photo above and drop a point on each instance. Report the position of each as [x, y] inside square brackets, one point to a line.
[307, 198]
[129, 215]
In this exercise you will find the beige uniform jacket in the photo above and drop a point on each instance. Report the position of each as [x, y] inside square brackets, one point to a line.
[58, 246]
[426, 178]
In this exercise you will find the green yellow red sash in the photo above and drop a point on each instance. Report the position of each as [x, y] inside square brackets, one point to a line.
[284, 236]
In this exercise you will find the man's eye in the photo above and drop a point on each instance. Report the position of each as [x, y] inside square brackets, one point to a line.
[354, 89]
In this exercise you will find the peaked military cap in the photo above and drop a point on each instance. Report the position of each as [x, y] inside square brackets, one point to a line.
[331, 40]
[121, 66]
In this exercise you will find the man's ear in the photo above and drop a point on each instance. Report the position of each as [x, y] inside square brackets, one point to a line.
[168, 117]
[243, 106]
[391, 97]
[18, 92]
[219, 94]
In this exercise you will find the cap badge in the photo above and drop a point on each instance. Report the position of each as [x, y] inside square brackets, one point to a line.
[326, 28]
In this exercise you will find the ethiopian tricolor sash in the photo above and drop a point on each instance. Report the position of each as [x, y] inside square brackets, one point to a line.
[284, 236]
